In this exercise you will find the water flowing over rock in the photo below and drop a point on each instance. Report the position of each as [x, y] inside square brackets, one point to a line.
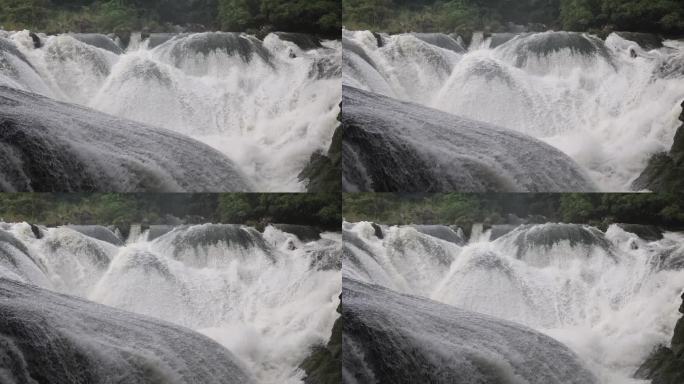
[98, 232]
[389, 337]
[51, 146]
[99, 41]
[396, 146]
[267, 105]
[666, 365]
[665, 170]
[584, 287]
[606, 104]
[247, 291]
[48, 337]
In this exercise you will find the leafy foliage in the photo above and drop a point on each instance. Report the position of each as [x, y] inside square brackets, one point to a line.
[105, 16]
[464, 209]
[322, 210]
[661, 16]
[314, 16]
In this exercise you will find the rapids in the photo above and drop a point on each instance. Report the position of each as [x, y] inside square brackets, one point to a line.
[266, 105]
[611, 296]
[609, 104]
[268, 298]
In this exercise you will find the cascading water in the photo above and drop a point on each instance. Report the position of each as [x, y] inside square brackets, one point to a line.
[608, 104]
[267, 298]
[610, 297]
[266, 105]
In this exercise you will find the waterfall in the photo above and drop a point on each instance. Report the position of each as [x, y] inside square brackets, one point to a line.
[268, 298]
[584, 287]
[265, 105]
[609, 104]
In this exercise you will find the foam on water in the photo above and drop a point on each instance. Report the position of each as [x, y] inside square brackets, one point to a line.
[267, 105]
[268, 298]
[609, 105]
[611, 297]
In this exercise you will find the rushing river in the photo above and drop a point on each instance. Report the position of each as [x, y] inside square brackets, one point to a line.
[264, 105]
[608, 104]
[609, 297]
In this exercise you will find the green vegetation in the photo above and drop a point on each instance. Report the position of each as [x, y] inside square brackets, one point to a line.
[122, 16]
[321, 210]
[321, 16]
[464, 16]
[601, 210]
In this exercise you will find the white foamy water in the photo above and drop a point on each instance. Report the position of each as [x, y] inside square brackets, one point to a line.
[268, 298]
[611, 297]
[267, 105]
[592, 99]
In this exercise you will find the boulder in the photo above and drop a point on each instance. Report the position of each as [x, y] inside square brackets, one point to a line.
[324, 364]
[646, 232]
[647, 41]
[665, 170]
[322, 173]
[666, 365]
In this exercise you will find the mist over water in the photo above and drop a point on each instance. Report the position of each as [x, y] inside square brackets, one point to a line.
[267, 105]
[267, 298]
[608, 104]
[611, 297]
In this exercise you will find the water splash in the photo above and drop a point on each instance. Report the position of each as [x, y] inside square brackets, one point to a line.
[610, 296]
[609, 105]
[268, 298]
[267, 105]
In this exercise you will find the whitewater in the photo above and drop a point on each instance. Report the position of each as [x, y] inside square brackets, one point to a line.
[611, 297]
[609, 104]
[267, 105]
[268, 298]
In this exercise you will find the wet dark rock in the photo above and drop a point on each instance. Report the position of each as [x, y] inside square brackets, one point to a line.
[323, 172]
[50, 146]
[99, 41]
[304, 41]
[499, 230]
[498, 39]
[304, 233]
[146, 262]
[324, 364]
[377, 230]
[98, 232]
[442, 232]
[47, 337]
[157, 39]
[647, 41]
[36, 231]
[440, 40]
[665, 170]
[378, 40]
[547, 235]
[666, 365]
[546, 43]
[36, 40]
[646, 232]
[394, 338]
[158, 230]
[212, 234]
[232, 43]
[395, 146]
